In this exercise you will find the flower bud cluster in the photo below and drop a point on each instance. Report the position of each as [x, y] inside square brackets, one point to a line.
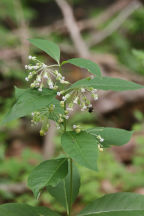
[77, 128]
[78, 97]
[42, 74]
[42, 117]
[100, 140]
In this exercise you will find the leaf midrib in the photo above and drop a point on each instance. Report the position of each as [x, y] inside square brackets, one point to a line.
[80, 150]
[56, 170]
[100, 212]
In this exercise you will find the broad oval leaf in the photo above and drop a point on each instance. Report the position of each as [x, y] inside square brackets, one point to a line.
[14, 209]
[28, 101]
[111, 136]
[61, 192]
[86, 64]
[47, 46]
[49, 172]
[119, 204]
[44, 211]
[106, 83]
[82, 148]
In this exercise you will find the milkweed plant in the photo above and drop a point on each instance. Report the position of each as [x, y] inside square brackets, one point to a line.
[51, 97]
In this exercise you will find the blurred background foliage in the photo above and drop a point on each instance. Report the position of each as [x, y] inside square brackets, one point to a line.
[120, 53]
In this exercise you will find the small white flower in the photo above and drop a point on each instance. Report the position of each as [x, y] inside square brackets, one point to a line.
[75, 100]
[44, 66]
[94, 91]
[51, 86]
[74, 126]
[27, 79]
[95, 97]
[26, 67]
[40, 89]
[35, 67]
[101, 140]
[90, 105]
[30, 57]
[45, 76]
[33, 113]
[82, 90]
[33, 58]
[64, 98]
[63, 78]
[29, 67]
[38, 79]
[58, 93]
[66, 117]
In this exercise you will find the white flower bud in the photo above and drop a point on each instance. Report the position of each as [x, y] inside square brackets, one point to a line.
[58, 93]
[100, 148]
[45, 76]
[101, 140]
[82, 90]
[75, 100]
[66, 117]
[27, 79]
[94, 91]
[38, 79]
[44, 66]
[40, 89]
[51, 86]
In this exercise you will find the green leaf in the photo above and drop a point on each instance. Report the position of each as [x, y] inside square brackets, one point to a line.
[81, 147]
[47, 46]
[86, 64]
[111, 136]
[13, 209]
[49, 172]
[28, 101]
[106, 83]
[119, 204]
[44, 211]
[58, 192]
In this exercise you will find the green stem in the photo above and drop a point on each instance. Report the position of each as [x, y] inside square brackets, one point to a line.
[66, 200]
[71, 186]
[71, 175]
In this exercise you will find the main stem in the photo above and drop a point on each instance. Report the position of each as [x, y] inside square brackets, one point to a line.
[71, 173]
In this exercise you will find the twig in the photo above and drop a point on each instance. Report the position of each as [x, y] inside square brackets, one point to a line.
[73, 28]
[48, 148]
[18, 188]
[115, 24]
[23, 31]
